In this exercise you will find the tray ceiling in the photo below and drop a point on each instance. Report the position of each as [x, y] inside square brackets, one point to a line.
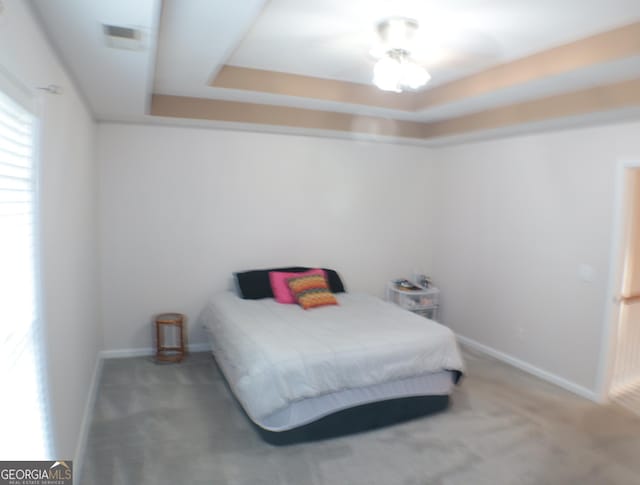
[302, 66]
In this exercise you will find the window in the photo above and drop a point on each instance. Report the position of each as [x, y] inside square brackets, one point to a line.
[22, 406]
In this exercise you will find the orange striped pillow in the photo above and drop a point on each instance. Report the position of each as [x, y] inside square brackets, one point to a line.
[311, 291]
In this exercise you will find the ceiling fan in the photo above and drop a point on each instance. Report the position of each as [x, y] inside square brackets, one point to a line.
[403, 52]
[396, 70]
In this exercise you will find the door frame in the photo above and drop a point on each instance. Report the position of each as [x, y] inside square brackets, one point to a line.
[616, 261]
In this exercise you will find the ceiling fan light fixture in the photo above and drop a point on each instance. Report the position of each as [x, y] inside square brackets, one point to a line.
[396, 71]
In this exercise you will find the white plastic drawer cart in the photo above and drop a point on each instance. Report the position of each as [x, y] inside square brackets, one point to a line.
[417, 299]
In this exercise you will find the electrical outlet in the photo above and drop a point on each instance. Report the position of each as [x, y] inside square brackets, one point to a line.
[587, 273]
[521, 333]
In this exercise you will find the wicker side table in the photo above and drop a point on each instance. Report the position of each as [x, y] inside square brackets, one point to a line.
[171, 353]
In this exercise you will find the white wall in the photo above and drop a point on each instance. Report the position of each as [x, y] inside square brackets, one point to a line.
[516, 218]
[182, 208]
[68, 222]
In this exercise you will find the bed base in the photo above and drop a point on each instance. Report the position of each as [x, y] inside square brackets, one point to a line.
[357, 419]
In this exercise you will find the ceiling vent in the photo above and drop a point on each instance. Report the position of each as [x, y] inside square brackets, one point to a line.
[120, 37]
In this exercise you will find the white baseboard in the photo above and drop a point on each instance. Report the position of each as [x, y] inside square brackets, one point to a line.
[148, 351]
[531, 369]
[87, 417]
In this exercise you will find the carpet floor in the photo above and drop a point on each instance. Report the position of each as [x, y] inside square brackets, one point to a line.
[178, 424]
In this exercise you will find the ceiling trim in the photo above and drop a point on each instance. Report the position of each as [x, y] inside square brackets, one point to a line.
[592, 100]
[263, 114]
[608, 46]
[612, 45]
[586, 101]
[274, 82]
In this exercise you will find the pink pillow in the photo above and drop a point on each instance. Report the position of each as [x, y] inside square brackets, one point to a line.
[281, 291]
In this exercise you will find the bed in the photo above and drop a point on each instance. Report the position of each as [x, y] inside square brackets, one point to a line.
[312, 374]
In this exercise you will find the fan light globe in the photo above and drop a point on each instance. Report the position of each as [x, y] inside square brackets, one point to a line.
[395, 72]
[386, 75]
[413, 75]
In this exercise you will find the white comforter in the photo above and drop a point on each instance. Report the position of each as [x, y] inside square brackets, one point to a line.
[273, 354]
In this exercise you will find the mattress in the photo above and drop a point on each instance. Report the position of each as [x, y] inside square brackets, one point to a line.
[288, 366]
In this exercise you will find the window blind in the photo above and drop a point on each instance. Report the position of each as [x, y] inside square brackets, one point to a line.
[23, 403]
